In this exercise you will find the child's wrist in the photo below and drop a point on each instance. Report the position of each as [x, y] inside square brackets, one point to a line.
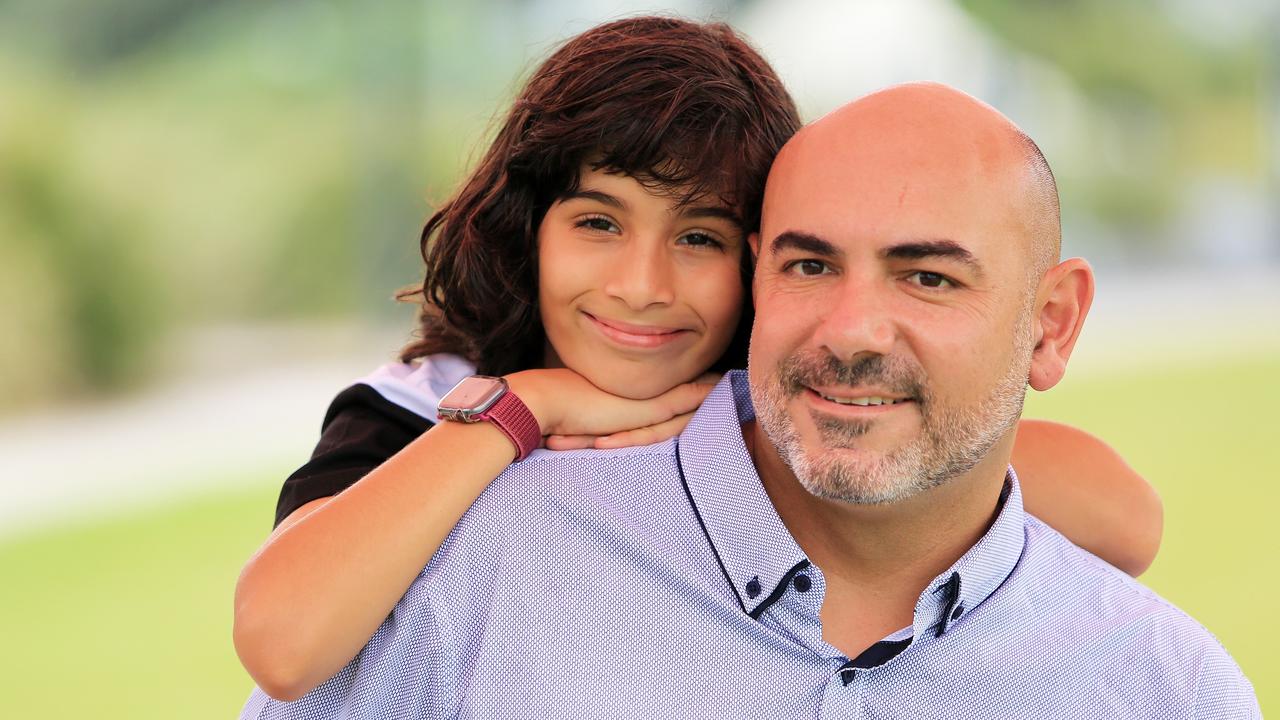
[530, 388]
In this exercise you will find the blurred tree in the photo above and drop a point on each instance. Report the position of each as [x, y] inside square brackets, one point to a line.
[1165, 106]
[90, 36]
[81, 304]
[265, 159]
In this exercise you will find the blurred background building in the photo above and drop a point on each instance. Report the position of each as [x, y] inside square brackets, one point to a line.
[205, 208]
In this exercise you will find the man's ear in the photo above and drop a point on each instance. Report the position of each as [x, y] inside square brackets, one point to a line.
[1062, 302]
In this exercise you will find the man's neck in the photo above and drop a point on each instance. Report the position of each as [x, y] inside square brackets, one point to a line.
[881, 557]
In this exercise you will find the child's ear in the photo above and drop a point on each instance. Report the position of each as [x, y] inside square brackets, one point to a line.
[1062, 302]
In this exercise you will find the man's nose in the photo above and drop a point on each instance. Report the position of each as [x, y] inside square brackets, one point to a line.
[858, 320]
[642, 275]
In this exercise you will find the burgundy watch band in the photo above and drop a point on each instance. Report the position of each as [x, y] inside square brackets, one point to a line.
[513, 418]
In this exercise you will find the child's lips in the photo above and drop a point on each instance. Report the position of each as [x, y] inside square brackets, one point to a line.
[633, 335]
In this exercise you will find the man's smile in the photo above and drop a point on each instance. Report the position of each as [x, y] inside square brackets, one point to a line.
[859, 401]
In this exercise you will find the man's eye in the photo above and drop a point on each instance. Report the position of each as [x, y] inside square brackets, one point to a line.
[806, 267]
[699, 239]
[602, 224]
[928, 279]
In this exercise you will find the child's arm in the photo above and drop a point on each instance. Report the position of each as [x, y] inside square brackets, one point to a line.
[1083, 488]
[333, 570]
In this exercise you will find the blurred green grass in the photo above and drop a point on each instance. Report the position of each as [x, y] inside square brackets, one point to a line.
[131, 617]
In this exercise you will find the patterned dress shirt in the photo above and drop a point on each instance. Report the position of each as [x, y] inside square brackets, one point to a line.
[659, 582]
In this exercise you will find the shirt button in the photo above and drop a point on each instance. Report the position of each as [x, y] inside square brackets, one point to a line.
[802, 583]
[753, 587]
[955, 614]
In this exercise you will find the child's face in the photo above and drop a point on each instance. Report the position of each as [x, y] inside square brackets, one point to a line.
[637, 294]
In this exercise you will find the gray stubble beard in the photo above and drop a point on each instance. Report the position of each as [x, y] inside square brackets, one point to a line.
[952, 441]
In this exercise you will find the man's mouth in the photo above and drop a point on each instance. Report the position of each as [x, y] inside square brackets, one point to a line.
[867, 401]
[874, 399]
[870, 387]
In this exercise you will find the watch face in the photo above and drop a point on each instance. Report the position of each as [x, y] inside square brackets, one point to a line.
[472, 397]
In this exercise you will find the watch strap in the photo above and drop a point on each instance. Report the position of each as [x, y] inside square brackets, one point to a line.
[514, 419]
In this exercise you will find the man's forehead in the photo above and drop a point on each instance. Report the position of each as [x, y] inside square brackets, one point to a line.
[933, 132]
[920, 159]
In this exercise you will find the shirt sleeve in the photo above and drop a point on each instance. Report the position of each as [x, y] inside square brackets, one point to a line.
[361, 430]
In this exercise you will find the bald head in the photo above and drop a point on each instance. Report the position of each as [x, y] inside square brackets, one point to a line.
[925, 147]
[1043, 214]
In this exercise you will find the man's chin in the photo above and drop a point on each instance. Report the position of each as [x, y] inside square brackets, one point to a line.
[856, 488]
[868, 446]
[857, 475]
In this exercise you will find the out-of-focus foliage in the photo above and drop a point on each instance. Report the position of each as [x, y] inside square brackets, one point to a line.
[1165, 105]
[78, 290]
[172, 163]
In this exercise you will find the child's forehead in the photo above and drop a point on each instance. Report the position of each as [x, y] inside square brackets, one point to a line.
[710, 197]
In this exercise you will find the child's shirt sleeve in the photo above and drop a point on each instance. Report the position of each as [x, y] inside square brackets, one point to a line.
[361, 430]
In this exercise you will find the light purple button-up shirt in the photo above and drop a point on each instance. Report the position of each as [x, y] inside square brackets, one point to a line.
[659, 582]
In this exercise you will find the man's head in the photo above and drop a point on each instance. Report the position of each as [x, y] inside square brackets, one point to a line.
[907, 290]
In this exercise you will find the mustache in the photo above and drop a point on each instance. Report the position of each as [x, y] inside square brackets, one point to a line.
[799, 371]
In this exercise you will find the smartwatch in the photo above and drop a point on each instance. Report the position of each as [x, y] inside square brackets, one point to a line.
[489, 399]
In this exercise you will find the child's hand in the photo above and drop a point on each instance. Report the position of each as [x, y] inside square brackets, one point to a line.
[626, 438]
[576, 414]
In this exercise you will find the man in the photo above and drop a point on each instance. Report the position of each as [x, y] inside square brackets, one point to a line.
[861, 549]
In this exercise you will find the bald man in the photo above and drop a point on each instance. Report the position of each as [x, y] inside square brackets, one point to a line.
[838, 532]
[908, 289]
[909, 259]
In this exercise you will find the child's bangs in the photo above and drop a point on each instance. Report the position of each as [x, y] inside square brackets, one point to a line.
[689, 167]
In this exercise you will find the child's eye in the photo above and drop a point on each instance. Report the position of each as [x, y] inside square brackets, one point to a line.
[807, 268]
[598, 223]
[699, 239]
[927, 279]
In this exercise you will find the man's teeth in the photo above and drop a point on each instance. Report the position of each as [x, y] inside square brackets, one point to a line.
[864, 400]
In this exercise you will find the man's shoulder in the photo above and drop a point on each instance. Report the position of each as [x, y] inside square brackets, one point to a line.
[566, 504]
[1086, 586]
[1123, 626]
[587, 476]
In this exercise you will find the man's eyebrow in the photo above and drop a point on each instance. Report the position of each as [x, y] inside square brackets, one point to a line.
[598, 196]
[948, 249]
[803, 242]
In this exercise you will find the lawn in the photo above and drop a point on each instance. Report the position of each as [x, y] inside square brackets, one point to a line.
[130, 617]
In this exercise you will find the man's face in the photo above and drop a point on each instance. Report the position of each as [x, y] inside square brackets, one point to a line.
[893, 334]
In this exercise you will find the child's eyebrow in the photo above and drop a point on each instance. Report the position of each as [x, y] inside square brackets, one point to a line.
[598, 196]
[711, 211]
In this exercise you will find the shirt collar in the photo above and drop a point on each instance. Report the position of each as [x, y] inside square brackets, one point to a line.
[979, 572]
[755, 550]
[759, 556]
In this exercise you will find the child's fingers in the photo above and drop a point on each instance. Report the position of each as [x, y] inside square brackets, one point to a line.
[684, 398]
[645, 435]
[570, 442]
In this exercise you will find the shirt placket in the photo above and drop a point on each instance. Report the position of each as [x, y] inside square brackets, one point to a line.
[844, 693]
